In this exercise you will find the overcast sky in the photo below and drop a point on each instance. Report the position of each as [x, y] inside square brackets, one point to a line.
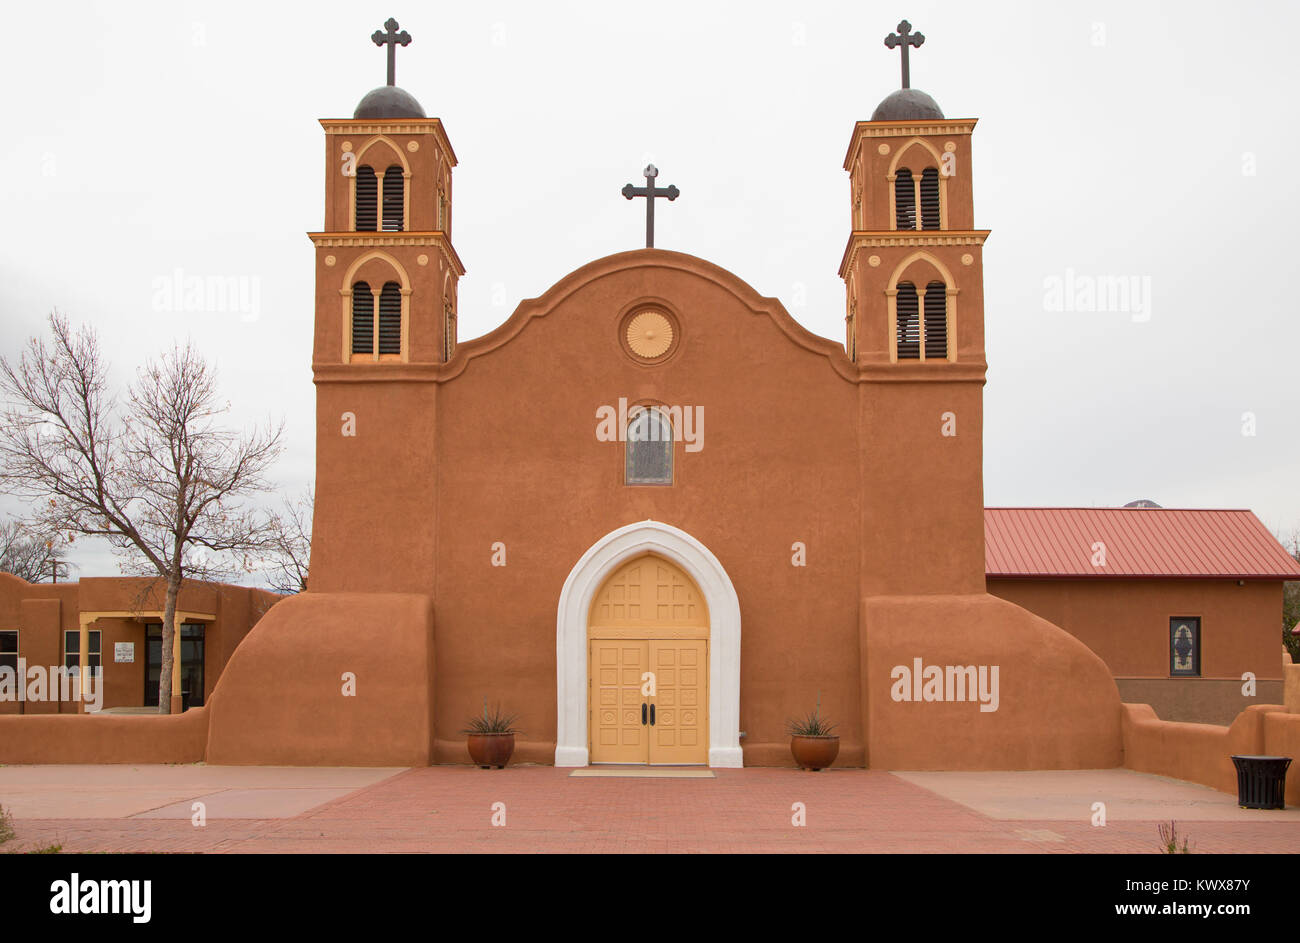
[1153, 142]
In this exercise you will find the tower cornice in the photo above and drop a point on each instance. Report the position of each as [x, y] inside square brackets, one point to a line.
[395, 126]
[369, 240]
[908, 238]
[903, 129]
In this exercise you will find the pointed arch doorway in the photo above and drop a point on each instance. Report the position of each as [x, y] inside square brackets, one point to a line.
[604, 567]
[648, 667]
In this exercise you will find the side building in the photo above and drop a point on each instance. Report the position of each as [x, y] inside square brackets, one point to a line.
[1184, 606]
[41, 624]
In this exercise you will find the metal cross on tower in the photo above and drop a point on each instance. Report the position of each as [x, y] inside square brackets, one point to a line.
[650, 191]
[905, 37]
[392, 39]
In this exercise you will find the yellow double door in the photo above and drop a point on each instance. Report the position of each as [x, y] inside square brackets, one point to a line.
[649, 701]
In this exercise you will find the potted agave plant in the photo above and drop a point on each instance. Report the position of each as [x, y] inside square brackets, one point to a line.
[811, 741]
[490, 738]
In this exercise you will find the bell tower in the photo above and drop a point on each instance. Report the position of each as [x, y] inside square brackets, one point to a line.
[386, 272]
[386, 283]
[914, 326]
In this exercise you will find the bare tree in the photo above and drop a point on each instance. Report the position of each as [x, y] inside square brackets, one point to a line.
[289, 549]
[155, 475]
[27, 554]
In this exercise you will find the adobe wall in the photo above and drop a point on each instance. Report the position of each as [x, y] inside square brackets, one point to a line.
[104, 738]
[1201, 753]
[1058, 707]
[1126, 622]
[282, 699]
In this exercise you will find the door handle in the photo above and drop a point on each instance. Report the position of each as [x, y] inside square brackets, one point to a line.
[642, 713]
[652, 715]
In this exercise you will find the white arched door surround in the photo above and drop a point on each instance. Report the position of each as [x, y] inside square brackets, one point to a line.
[587, 576]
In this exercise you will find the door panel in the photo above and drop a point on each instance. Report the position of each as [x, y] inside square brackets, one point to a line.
[680, 733]
[617, 734]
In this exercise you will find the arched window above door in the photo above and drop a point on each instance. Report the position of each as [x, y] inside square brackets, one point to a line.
[648, 456]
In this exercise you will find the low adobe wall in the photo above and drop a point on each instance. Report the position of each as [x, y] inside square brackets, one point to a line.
[1201, 753]
[104, 738]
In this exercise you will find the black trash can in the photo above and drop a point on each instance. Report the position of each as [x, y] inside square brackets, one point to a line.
[1261, 781]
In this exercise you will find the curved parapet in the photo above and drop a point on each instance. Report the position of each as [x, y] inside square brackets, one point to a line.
[329, 679]
[973, 682]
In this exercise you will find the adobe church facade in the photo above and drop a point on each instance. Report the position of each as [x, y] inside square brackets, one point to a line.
[502, 519]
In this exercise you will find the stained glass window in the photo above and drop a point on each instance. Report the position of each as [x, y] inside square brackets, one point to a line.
[649, 451]
[1185, 645]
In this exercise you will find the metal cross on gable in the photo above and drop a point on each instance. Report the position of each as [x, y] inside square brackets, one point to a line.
[392, 39]
[905, 37]
[650, 191]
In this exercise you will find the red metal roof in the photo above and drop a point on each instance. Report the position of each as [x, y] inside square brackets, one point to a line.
[1139, 542]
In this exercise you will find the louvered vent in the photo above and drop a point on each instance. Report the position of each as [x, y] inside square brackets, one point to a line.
[367, 198]
[393, 186]
[936, 321]
[929, 198]
[905, 200]
[909, 326]
[363, 319]
[449, 333]
[390, 319]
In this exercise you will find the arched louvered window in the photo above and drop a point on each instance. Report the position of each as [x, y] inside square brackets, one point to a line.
[649, 451]
[390, 319]
[904, 200]
[907, 307]
[929, 198]
[936, 321]
[367, 198]
[363, 319]
[394, 184]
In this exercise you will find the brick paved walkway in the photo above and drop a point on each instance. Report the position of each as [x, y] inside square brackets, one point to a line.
[450, 809]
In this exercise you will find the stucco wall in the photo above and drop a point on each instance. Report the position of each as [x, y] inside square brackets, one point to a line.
[104, 738]
[283, 699]
[1058, 707]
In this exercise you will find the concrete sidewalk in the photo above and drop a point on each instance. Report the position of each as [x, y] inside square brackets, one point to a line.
[542, 809]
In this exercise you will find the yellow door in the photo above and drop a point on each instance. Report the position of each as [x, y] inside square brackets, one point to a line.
[649, 616]
[619, 714]
[678, 709]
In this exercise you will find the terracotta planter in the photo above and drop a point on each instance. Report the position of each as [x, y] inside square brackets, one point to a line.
[815, 753]
[490, 749]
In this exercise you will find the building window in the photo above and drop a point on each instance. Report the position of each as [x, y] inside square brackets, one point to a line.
[363, 319]
[72, 650]
[390, 319]
[449, 329]
[936, 321]
[394, 185]
[904, 200]
[1185, 646]
[929, 198]
[907, 307]
[367, 185]
[9, 650]
[649, 450]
